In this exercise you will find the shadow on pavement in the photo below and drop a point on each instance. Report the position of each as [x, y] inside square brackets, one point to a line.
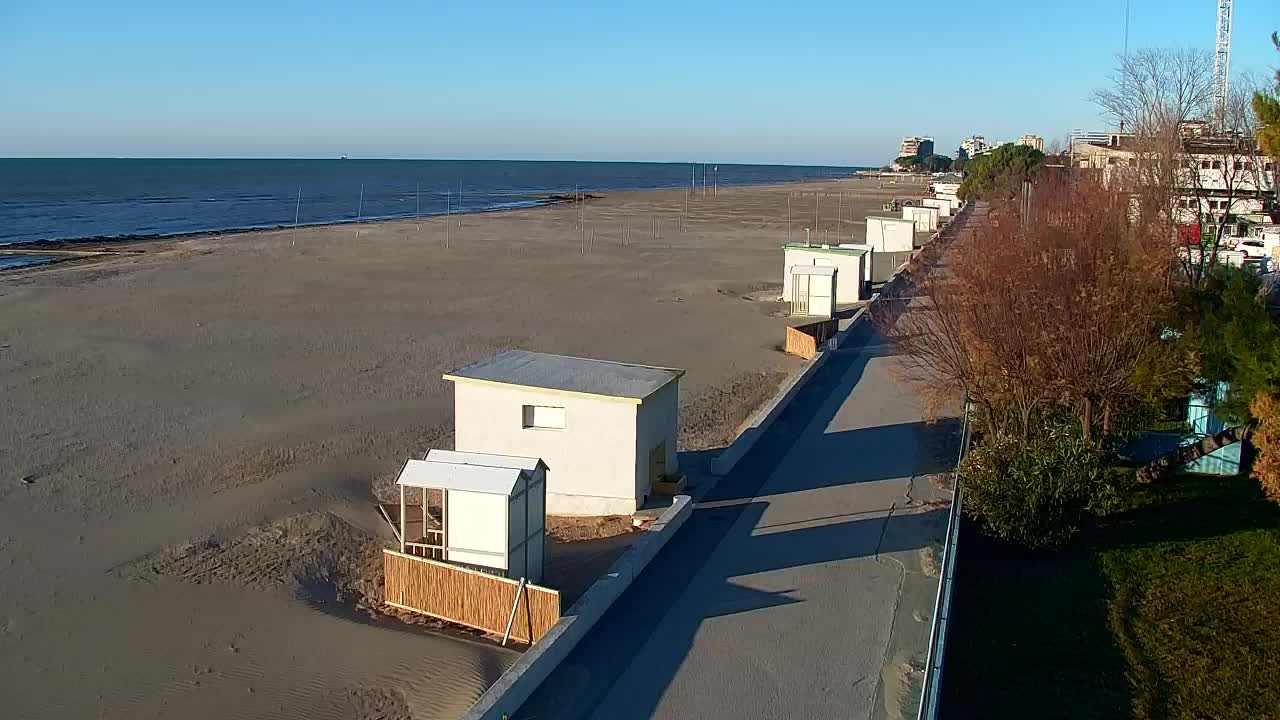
[689, 587]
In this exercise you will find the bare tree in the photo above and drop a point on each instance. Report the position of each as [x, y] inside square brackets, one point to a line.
[1053, 314]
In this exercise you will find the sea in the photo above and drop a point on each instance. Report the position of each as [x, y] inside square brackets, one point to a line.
[99, 199]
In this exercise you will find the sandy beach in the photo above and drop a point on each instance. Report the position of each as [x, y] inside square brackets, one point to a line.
[191, 434]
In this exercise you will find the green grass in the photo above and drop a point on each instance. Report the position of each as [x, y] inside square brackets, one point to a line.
[1170, 608]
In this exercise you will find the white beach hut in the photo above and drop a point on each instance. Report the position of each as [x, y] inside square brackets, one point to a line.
[925, 218]
[607, 429]
[955, 201]
[813, 291]
[849, 261]
[867, 260]
[944, 206]
[493, 510]
[887, 234]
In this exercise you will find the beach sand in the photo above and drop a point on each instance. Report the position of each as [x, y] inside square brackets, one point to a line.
[190, 433]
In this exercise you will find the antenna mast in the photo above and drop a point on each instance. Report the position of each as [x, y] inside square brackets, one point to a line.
[1222, 63]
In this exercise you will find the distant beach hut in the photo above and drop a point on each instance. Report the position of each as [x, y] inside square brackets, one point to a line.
[813, 291]
[608, 429]
[889, 235]
[944, 206]
[925, 218]
[493, 511]
[849, 261]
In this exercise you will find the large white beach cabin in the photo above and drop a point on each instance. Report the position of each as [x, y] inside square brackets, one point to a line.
[606, 429]
[813, 291]
[848, 261]
[887, 234]
[925, 218]
[493, 509]
[944, 206]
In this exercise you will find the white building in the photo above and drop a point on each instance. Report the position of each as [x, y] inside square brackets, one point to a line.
[887, 234]
[851, 262]
[1031, 141]
[493, 509]
[606, 429]
[944, 188]
[943, 205]
[973, 145]
[813, 291]
[925, 218]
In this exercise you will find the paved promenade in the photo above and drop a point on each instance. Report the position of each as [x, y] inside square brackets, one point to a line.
[803, 584]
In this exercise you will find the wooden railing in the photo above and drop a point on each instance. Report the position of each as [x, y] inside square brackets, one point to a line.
[468, 597]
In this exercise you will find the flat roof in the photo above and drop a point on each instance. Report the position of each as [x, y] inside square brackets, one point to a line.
[813, 269]
[836, 249]
[469, 472]
[574, 375]
[892, 219]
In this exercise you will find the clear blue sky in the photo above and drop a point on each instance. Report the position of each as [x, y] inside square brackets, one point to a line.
[824, 82]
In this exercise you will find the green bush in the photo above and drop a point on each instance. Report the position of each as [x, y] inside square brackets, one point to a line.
[1036, 493]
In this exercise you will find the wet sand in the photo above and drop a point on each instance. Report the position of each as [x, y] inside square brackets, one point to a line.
[190, 433]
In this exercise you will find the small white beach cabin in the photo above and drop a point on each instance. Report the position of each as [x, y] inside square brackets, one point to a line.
[848, 261]
[955, 201]
[867, 260]
[887, 234]
[493, 509]
[607, 429]
[925, 218]
[944, 206]
[813, 291]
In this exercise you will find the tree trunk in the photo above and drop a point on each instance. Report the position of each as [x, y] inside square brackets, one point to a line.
[1162, 467]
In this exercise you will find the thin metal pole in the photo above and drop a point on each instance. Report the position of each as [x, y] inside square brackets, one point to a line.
[297, 209]
[402, 510]
[448, 215]
[593, 240]
[715, 182]
[839, 213]
[417, 201]
[459, 203]
[788, 217]
[360, 206]
[816, 223]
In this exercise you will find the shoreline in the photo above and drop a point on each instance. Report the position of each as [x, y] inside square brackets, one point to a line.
[535, 200]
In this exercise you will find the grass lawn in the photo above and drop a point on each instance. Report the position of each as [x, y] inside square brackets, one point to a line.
[1169, 609]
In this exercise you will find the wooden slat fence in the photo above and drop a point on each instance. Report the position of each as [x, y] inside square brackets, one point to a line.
[467, 597]
[804, 340]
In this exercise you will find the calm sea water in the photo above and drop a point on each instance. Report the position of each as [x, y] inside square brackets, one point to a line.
[100, 198]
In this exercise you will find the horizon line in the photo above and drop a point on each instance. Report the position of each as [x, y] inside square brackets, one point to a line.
[410, 159]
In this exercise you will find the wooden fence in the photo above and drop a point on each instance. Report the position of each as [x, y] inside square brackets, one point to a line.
[804, 340]
[467, 597]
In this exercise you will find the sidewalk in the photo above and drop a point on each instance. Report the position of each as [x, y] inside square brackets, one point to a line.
[796, 588]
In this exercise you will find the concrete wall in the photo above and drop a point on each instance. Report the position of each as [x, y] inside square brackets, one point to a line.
[657, 419]
[592, 459]
[848, 266]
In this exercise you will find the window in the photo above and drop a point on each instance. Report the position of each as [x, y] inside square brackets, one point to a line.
[1204, 164]
[543, 417]
[1112, 161]
[1269, 166]
[1217, 164]
[1237, 165]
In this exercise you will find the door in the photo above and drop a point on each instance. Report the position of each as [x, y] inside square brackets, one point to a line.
[799, 294]
[658, 463]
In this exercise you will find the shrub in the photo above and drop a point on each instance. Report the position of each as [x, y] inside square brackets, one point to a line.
[1266, 443]
[1035, 493]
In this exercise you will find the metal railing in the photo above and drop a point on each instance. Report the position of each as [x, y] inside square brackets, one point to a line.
[929, 695]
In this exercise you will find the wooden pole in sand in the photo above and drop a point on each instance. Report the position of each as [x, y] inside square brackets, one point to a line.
[417, 201]
[839, 213]
[788, 217]
[448, 215]
[686, 209]
[402, 510]
[459, 203]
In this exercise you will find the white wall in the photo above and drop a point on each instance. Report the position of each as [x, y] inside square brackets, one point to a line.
[868, 256]
[944, 206]
[478, 522]
[847, 265]
[925, 218]
[890, 236]
[657, 419]
[592, 460]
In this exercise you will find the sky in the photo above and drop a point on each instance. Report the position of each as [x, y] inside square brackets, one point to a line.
[823, 82]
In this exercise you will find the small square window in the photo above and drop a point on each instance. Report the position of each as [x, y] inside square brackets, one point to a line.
[1217, 164]
[544, 417]
[1204, 164]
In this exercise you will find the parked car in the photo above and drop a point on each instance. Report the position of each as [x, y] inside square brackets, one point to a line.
[1252, 248]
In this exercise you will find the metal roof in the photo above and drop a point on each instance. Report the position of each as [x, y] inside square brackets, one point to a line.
[813, 269]
[468, 472]
[891, 219]
[836, 249]
[561, 373]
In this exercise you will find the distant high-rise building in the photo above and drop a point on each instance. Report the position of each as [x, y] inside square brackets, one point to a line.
[973, 145]
[1033, 141]
[916, 147]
